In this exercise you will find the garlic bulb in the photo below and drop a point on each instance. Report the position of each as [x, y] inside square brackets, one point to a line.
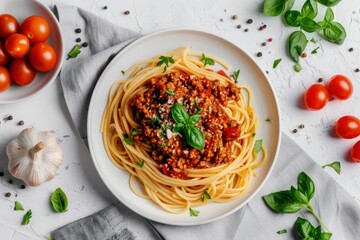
[34, 156]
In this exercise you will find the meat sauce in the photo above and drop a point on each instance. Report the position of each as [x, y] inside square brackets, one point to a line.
[152, 109]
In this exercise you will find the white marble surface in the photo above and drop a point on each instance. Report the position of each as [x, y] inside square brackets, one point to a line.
[78, 177]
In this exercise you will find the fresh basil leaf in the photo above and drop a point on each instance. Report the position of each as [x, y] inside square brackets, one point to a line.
[206, 195]
[277, 7]
[329, 15]
[194, 137]
[313, 40]
[334, 32]
[75, 51]
[297, 67]
[292, 18]
[235, 76]
[257, 146]
[59, 201]
[298, 196]
[179, 113]
[178, 127]
[18, 206]
[335, 165]
[198, 108]
[276, 62]
[282, 202]
[207, 61]
[306, 185]
[194, 212]
[309, 9]
[309, 25]
[325, 236]
[328, 3]
[27, 217]
[316, 232]
[304, 227]
[281, 231]
[140, 164]
[315, 50]
[127, 139]
[297, 44]
[194, 119]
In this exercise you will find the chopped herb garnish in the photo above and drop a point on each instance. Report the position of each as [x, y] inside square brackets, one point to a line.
[297, 67]
[27, 217]
[155, 120]
[75, 51]
[207, 61]
[170, 92]
[315, 50]
[163, 145]
[281, 231]
[206, 195]
[194, 212]
[197, 106]
[253, 134]
[133, 132]
[165, 126]
[18, 206]
[268, 119]
[235, 76]
[257, 146]
[313, 40]
[127, 139]
[335, 165]
[140, 164]
[123, 72]
[276, 62]
[165, 60]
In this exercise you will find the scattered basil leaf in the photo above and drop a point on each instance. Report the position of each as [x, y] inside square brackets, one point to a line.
[123, 72]
[59, 201]
[335, 165]
[309, 25]
[178, 127]
[306, 185]
[27, 217]
[297, 44]
[334, 32]
[75, 51]
[194, 119]
[313, 40]
[307, 231]
[292, 18]
[257, 146]
[170, 92]
[315, 50]
[282, 202]
[18, 206]
[197, 106]
[309, 9]
[140, 164]
[155, 120]
[277, 7]
[207, 61]
[328, 3]
[235, 76]
[127, 139]
[194, 212]
[133, 132]
[179, 113]
[194, 137]
[276, 62]
[165, 61]
[281, 231]
[297, 67]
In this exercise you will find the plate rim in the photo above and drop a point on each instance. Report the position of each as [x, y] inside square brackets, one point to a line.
[213, 34]
[60, 57]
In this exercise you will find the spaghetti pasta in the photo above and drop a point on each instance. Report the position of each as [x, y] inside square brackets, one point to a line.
[176, 188]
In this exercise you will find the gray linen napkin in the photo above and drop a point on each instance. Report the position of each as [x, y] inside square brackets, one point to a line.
[78, 77]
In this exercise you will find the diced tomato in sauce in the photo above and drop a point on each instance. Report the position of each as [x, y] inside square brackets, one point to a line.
[231, 133]
[223, 73]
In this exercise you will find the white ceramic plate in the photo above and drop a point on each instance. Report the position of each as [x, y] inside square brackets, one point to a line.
[22, 9]
[264, 102]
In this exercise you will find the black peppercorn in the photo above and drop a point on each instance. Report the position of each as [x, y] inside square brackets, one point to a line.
[105, 7]
[238, 26]
[7, 194]
[10, 181]
[235, 17]
[10, 117]
[23, 186]
[263, 44]
[357, 70]
[250, 21]
[78, 30]
[85, 44]
[127, 12]
[351, 49]
[320, 79]
[21, 123]
[78, 40]
[246, 30]
[295, 131]
[1, 174]
[259, 54]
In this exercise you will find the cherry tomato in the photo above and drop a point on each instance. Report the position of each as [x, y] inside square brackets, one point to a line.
[8, 26]
[340, 87]
[17, 45]
[355, 152]
[316, 97]
[4, 56]
[42, 57]
[36, 29]
[231, 133]
[5, 79]
[348, 127]
[22, 72]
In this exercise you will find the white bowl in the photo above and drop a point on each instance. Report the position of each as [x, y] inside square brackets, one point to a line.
[22, 9]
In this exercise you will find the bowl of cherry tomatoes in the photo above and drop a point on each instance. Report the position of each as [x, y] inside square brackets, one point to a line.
[31, 49]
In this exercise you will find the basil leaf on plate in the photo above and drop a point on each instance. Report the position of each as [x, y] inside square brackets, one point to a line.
[178, 127]
[257, 146]
[297, 44]
[292, 18]
[59, 201]
[282, 202]
[277, 7]
[194, 137]
[179, 113]
[194, 119]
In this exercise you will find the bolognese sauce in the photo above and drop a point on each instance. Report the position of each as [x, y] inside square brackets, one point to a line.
[152, 109]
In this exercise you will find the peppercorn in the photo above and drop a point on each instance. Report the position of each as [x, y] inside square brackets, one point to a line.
[357, 70]
[10, 181]
[267, 72]
[320, 79]
[85, 44]
[7, 194]
[259, 54]
[78, 30]
[105, 7]
[263, 44]
[10, 117]
[304, 55]
[238, 26]
[301, 126]
[351, 49]
[1, 174]
[295, 130]
[270, 39]
[21, 122]
[246, 30]
[78, 40]
[235, 17]
[250, 21]
[23, 186]
[127, 12]
[221, 19]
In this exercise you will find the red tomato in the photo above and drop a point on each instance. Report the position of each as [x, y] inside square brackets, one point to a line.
[207, 92]
[5, 79]
[8, 25]
[17, 45]
[42, 57]
[36, 29]
[4, 56]
[316, 97]
[22, 72]
[348, 127]
[223, 73]
[355, 152]
[231, 133]
[340, 87]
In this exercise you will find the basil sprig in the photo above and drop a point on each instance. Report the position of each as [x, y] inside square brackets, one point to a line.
[59, 201]
[295, 199]
[332, 31]
[307, 231]
[297, 44]
[186, 124]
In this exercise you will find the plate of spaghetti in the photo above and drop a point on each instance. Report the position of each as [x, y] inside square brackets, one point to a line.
[183, 127]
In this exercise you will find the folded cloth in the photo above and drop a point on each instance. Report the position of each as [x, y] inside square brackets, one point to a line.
[78, 77]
